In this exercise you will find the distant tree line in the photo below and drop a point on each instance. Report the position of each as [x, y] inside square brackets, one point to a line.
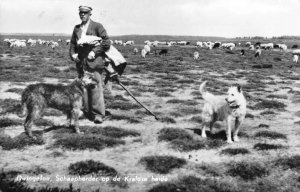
[279, 37]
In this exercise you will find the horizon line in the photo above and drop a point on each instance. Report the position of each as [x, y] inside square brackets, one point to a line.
[66, 34]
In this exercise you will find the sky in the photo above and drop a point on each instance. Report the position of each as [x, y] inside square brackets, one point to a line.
[225, 18]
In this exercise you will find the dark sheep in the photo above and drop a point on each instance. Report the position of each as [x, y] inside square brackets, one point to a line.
[163, 52]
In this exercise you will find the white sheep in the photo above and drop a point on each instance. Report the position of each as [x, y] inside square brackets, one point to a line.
[135, 50]
[199, 44]
[147, 48]
[128, 43]
[143, 53]
[257, 53]
[118, 42]
[18, 43]
[196, 55]
[282, 47]
[296, 52]
[251, 47]
[295, 58]
[248, 44]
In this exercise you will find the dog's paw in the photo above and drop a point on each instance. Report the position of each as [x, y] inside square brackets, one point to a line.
[203, 135]
[229, 141]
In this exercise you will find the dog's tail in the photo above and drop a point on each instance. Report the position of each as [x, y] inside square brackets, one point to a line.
[203, 87]
[23, 110]
[203, 91]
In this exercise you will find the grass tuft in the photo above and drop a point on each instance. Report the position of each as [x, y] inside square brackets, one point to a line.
[268, 112]
[169, 134]
[248, 170]
[91, 167]
[235, 151]
[162, 164]
[124, 117]
[210, 170]
[19, 142]
[266, 146]
[263, 125]
[269, 104]
[110, 131]
[122, 105]
[6, 122]
[187, 144]
[87, 141]
[270, 135]
[181, 140]
[9, 106]
[196, 119]
[292, 162]
[167, 120]
[15, 90]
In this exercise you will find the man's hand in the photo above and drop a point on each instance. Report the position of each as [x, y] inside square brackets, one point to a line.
[114, 77]
[91, 55]
[75, 57]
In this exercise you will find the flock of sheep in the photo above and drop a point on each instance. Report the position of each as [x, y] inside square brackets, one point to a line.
[258, 47]
[33, 42]
[148, 44]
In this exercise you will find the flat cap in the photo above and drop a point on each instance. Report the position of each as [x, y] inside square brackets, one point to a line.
[85, 8]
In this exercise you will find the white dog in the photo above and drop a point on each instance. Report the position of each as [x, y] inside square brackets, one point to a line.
[217, 108]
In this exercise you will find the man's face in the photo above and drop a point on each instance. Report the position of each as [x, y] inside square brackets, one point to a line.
[84, 16]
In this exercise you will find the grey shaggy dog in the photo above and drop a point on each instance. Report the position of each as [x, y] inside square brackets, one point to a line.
[66, 98]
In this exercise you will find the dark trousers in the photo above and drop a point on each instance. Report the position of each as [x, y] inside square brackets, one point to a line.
[94, 98]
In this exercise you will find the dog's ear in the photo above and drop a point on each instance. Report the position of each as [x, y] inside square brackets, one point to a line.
[239, 88]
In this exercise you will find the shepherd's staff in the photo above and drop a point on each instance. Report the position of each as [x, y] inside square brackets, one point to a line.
[136, 99]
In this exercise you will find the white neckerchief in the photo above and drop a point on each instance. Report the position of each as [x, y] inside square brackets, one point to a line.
[84, 28]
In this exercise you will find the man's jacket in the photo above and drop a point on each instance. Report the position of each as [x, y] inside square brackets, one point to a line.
[94, 29]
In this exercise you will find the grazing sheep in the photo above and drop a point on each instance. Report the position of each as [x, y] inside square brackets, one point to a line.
[208, 45]
[32, 42]
[147, 48]
[182, 43]
[172, 43]
[257, 44]
[282, 47]
[163, 52]
[217, 45]
[128, 43]
[199, 44]
[135, 51]
[18, 43]
[251, 47]
[295, 58]
[242, 52]
[68, 41]
[118, 42]
[143, 53]
[196, 55]
[257, 53]
[154, 44]
[248, 44]
[229, 46]
[162, 43]
[296, 52]
[267, 46]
